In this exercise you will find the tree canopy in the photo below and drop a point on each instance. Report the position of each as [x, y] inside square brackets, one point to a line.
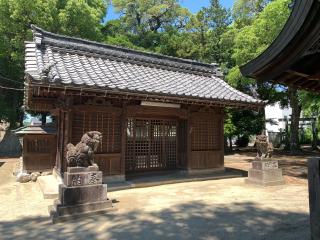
[78, 18]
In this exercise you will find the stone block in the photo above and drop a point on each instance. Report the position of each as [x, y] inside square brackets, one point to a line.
[93, 168]
[82, 178]
[60, 213]
[76, 169]
[265, 173]
[81, 208]
[83, 194]
[265, 165]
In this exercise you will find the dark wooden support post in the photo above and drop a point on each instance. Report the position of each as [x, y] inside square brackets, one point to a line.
[221, 116]
[65, 131]
[123, 139]
[314, 197]
[189, 140]
[60, 130]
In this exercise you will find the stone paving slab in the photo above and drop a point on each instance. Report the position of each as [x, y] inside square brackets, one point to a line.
[49, 186]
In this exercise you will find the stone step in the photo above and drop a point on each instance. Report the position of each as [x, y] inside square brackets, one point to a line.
[81, 208]
[79, 215]
[49, 186]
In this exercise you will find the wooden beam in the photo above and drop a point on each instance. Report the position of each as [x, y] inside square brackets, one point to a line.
[146, 111]
[297, 73]
[112, 94]
[309, 84]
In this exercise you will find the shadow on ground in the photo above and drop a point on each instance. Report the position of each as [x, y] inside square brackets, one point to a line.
[188, 221]
[236, 171]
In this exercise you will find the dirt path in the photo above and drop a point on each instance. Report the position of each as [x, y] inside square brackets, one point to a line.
[213, 210]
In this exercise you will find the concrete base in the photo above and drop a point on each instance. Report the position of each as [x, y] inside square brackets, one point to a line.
[49, 186]
[114, 179]
[202, 171]
[60, 213]
[265, 173]
[57, 175]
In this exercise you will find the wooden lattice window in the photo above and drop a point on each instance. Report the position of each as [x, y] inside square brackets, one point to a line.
[107, 123]
[205, 134]
[151, 144]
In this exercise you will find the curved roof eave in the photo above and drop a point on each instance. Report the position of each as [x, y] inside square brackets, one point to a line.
[300, 32]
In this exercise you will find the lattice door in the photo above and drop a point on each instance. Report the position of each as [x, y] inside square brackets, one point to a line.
[151, 144]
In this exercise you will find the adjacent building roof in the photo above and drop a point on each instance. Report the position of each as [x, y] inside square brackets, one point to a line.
[35, 130]
[294, 57]
[56, 60]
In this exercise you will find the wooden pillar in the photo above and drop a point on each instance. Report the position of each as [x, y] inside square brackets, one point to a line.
[59, 155]
[189, 140]
[314, 197]
[123, 139]
[222, 116]
[63, 134]
[67, 136]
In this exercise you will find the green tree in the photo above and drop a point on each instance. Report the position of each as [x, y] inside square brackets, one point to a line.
[256, 24]
[143, 15]
[245, 11]
[78, 18]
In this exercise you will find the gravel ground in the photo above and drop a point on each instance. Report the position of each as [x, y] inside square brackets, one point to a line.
[213, 210]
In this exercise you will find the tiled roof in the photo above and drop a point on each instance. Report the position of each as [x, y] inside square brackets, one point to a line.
[59, 60]
[35, 130]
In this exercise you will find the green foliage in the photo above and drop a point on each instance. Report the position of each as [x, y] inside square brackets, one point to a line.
[229, 128]
[178, 32]
[80, 18]
[310, 102]
[306, 136]
[253, 30]
[143, 15]
[244, 11]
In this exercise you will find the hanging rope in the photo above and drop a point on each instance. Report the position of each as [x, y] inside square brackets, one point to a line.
[9, 88]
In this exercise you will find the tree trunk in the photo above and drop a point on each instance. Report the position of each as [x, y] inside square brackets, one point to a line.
[44, 118]
[295, 117]
[314, 135]
[230, 143]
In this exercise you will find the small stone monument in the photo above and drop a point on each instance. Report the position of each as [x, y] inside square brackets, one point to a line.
[82, 192]
[265, 171]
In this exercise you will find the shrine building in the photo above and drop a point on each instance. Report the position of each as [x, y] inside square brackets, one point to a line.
[156, 113]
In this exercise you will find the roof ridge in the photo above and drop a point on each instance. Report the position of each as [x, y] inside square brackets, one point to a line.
[40, 34]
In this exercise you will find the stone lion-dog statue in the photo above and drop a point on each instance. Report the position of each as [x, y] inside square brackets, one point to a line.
[264, 148]
[82, 154]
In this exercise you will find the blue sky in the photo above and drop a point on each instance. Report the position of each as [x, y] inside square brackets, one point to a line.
[193, 5]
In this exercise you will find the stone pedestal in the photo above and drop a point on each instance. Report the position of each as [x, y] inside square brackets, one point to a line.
[81, 194]
[265, 172]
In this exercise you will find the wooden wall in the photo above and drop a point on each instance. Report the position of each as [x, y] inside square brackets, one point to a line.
[206, 140]
[106, 120]
[199, 133]
[39, 152]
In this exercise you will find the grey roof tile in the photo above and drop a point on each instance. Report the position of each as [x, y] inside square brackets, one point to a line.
[85, 63]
